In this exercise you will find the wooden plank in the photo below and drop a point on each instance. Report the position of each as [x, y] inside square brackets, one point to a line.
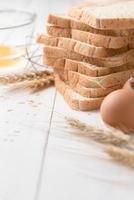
[24, 128]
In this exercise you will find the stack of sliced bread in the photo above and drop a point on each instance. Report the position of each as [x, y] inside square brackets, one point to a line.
[91, 50]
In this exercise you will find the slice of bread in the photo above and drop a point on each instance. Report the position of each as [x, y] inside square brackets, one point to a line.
[93, 92]
[113, 61]
[97, 40]
[93, 88]
[84, 91]
[79, 47]
[84, 68]
[72, 23]
[115, 16]
[108, 81]
[76, 101]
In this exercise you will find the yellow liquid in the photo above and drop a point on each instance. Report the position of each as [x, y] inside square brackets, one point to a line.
[10, 55]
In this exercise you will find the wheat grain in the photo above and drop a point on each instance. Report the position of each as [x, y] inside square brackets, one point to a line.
[110, 136]
[16, 78]
[122, 155]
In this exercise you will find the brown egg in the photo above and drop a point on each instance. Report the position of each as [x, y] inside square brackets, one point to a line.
[117, 109]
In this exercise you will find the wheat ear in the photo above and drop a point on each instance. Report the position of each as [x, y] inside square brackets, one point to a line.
[114, 137]
[36, 84]
[16, 78]
[41, 83]
[121, 155]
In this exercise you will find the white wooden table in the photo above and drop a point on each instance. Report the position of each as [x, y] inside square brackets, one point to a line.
[39, 158]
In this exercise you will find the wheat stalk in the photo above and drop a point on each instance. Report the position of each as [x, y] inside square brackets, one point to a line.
[110, 136]
[16, 78]
[121, 155]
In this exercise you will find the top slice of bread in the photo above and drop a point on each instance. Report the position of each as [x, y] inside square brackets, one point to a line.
[115, 16]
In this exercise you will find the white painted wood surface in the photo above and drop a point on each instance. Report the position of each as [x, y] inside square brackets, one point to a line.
[62, 166]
